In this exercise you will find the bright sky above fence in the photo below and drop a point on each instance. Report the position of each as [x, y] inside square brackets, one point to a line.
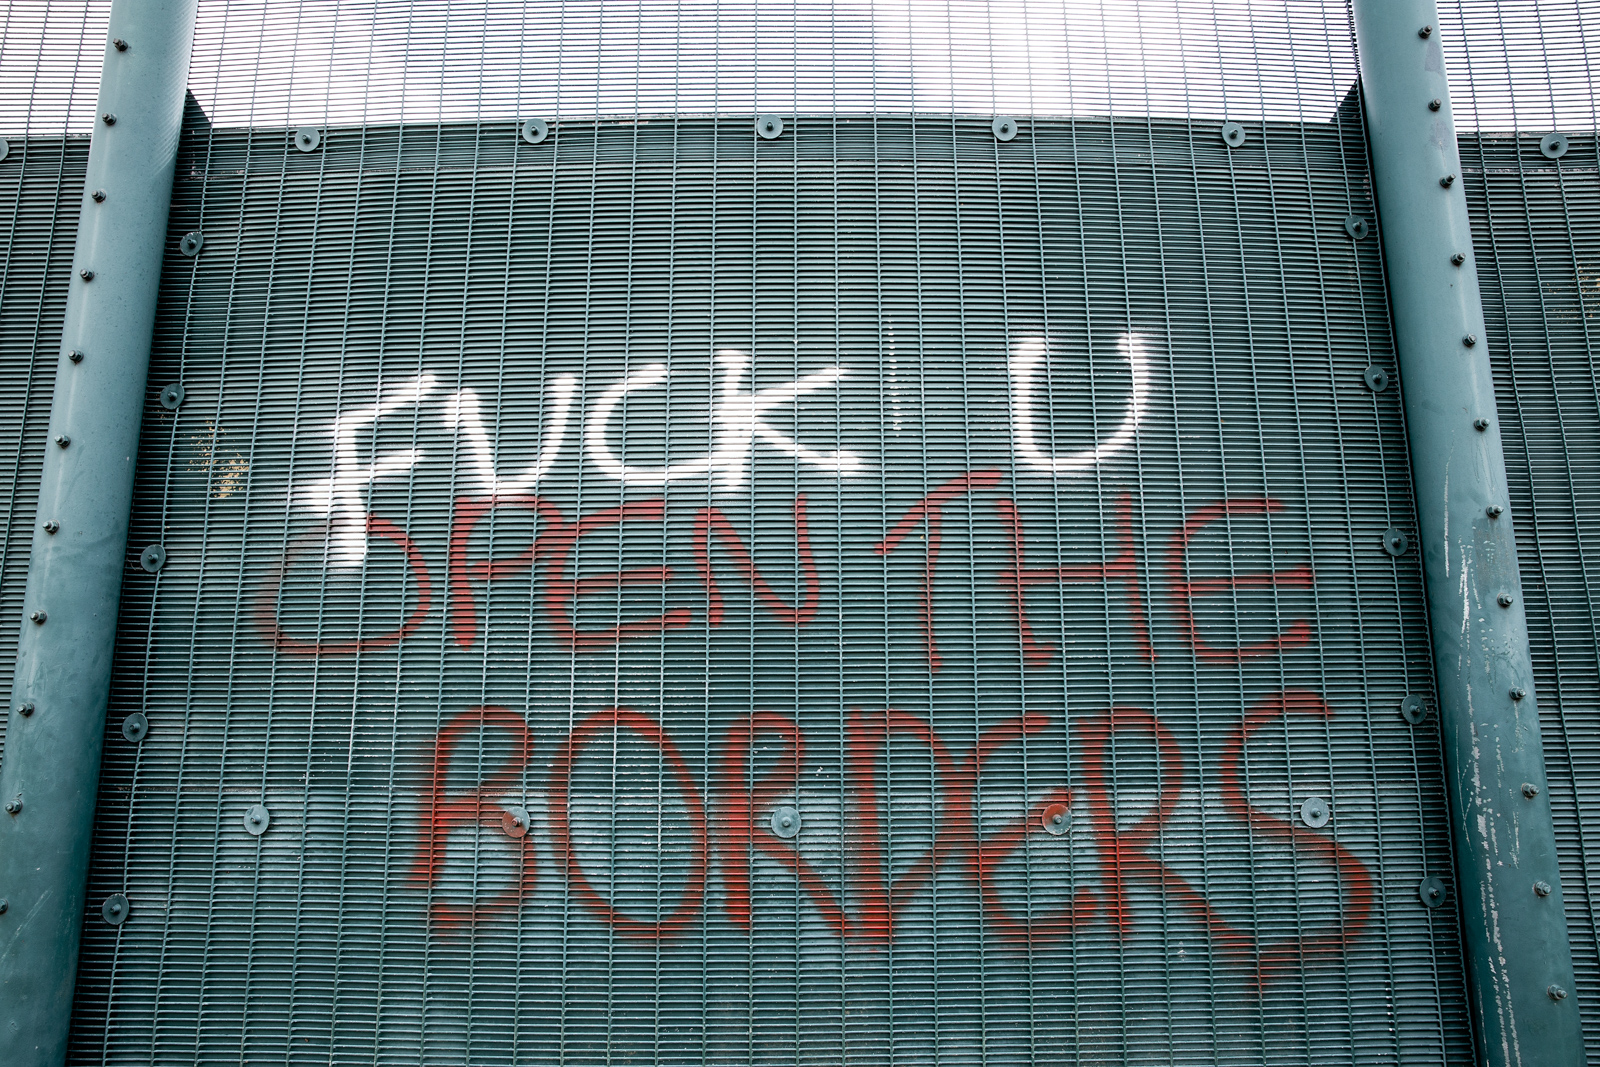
[267, 63]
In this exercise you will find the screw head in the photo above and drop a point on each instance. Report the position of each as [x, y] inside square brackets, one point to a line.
[98, 196]
[1004, 128]
[514, 822]
[1448, 180]
[1355, 226]
[307, 138]
[1232, 134]
[769, 127]
[119, 44]
[5, 905]
[1376, 377]
[1413, 710]
[52, 526]
[1554, 145]
[153, 558]
[1555, 992]
[63, 440]
[75, 355]
[25, 709]
[86, 275]
[786, 821]
[1494, 511]
[1426, 31]
[256, 820]
[1054, 819]
[1518, 693]
[115, 909]
[14, 807]
[1458, 259]
[135, 727]
[38, 617]
[1432, 892]
[172, 396]
[192, 242]
[1480, 424]
[1470, 339]
[1530, 790]
[1435, 104]
[1315, 813]
[109, 119]
[1395, 542]
[535, 130]
[1542, 889]
[1504, 600]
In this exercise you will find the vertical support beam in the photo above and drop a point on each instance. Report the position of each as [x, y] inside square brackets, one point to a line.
[50, 774]
[1518, 956]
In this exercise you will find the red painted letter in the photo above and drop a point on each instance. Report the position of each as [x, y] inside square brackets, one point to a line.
[1121, 569]
[271, 628]
[989, 853]
[1183, 591]
[469, 511]
[477, 807]
[1275, 960]
[742, 803]
[561, 592]
[712, 520]
[1127, 850]
[881, 898]
[931, 510]
[561, 823]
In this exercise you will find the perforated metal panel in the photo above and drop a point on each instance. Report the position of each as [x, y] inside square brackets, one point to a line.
[925, 595]
[40, 183]
[1536, 230]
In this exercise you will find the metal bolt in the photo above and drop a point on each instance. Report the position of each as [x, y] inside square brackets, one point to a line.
[1556, 992]
[1470, 339]
[1435, 104]
[99, 196]
[86, 275]
[38, 617]
[5, 905]
[1518, 693]
[1054, 819]
[25, 709]
[1425, 32]
[1494, 511]
[786, 821]
[1432, 892]
[52, 526]
[1504, 600]
[1542, 888]
[119, 44]
[115, 909]
[109, 119]
[63, 440]
[256, 820]
[1458, 259]
[1448, 180]
[14, 807]
[1530, 790]
[76, 356]
[1480, 424]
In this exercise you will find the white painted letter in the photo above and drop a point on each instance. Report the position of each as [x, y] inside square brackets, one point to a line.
[1028, 356]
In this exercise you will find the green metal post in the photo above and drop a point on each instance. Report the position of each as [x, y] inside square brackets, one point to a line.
[50, 773]
[1518, 956]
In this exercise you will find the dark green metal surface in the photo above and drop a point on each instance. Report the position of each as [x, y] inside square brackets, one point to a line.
[1212, 636]
[1536, 234]
[1514, 930]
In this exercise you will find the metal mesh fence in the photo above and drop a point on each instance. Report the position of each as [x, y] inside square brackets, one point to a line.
[1534, 191]
[900, 582]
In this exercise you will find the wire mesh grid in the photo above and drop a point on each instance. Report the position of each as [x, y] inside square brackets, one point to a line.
[1534, 192]
[551, 513]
